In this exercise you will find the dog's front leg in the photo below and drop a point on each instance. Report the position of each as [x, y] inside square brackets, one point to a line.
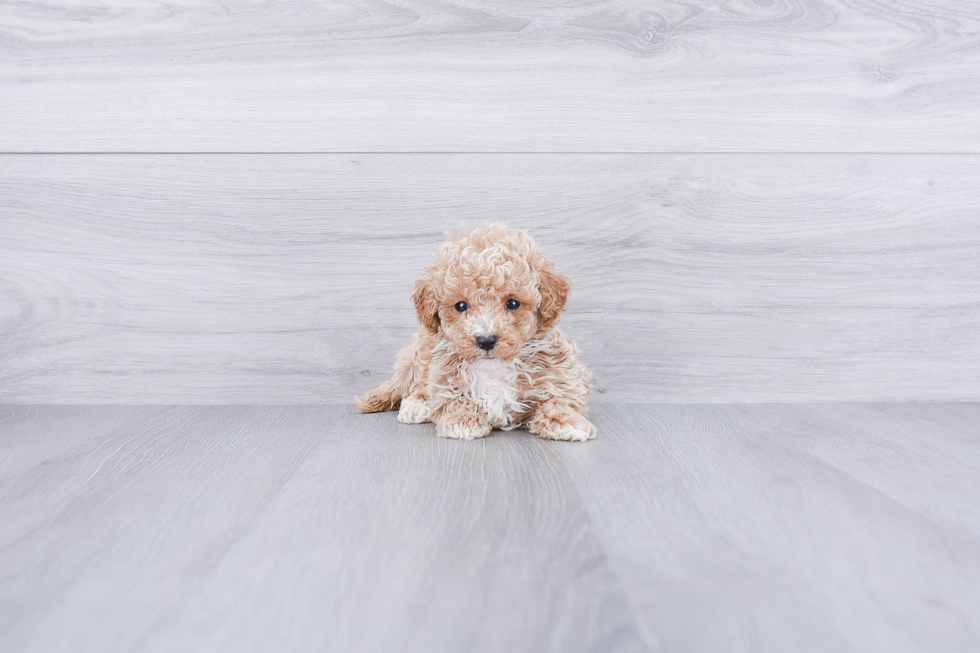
[461, 419]
[558, 419]
[414, 409]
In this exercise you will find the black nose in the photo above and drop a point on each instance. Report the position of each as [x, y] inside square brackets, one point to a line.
[486, 343]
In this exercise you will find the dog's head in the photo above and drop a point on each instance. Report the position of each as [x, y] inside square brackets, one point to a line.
[489, 291]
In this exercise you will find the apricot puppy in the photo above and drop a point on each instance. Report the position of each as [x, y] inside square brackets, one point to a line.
[488, 354]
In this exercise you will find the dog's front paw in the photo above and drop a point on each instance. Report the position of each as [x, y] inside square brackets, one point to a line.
[562, 425]
[463, 427]
[414, 410]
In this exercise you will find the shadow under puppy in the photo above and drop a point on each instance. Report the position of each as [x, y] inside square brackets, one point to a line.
[488, 354]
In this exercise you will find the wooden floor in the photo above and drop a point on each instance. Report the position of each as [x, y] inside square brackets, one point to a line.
[820, 527]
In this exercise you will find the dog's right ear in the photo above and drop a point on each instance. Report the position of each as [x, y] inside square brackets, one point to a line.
[426, 306]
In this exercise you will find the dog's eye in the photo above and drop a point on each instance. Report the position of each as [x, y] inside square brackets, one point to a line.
[512, 304]
[462, 306]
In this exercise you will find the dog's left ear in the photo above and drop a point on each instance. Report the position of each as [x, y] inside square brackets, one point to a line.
[554, 291]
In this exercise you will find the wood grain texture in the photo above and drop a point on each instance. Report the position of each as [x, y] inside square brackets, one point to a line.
[286, 279]
[791, 528]
[474, 75]
[299, 529]
[740, 528]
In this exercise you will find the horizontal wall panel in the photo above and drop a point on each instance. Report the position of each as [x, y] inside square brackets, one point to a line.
[371, 76]
[286, 278]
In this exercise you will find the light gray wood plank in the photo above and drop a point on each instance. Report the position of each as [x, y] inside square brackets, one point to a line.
[803, 528]
[286, 279]
[474, 75]
[105, 538]
[34, 434]
[765, 527]
[300, 529]
[891, 448]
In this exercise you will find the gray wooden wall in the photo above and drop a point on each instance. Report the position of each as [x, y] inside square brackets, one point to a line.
[757, 200]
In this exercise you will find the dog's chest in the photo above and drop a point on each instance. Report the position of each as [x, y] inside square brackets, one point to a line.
[493, 387]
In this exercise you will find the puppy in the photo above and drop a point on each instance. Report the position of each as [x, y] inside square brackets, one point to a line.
[488, 354]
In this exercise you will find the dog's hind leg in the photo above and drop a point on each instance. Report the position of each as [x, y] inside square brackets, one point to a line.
[410, 383]
[386, 396]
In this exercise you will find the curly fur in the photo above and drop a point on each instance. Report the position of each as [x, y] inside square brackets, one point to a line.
[531, 377]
